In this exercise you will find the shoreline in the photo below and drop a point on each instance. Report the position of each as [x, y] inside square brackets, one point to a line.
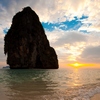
[96, 97]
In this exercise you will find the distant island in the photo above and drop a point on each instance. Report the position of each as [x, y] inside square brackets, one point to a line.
[6, 67]
[26, 44]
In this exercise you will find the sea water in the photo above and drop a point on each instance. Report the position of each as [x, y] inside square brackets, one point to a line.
[52, 84]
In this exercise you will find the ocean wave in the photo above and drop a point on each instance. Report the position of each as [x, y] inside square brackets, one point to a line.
[86, 94]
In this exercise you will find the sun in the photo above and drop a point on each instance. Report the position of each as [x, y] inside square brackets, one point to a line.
[83, 65]
[76, 65]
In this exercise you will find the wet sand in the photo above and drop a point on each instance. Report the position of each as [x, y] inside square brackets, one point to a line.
[2, 94]
[96, 97]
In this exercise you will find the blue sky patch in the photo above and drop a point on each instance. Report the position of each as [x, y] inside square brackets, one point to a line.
[83, 17]
[74, 24]
[84, 31]
[5, 30]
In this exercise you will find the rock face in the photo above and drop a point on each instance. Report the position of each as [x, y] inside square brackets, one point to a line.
[26, 44]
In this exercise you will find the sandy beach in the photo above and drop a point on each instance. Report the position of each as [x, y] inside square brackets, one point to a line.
[96, 97]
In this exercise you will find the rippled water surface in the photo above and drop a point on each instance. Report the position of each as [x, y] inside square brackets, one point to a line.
[59, 84]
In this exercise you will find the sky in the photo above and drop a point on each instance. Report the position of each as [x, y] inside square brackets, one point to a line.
[71, 26]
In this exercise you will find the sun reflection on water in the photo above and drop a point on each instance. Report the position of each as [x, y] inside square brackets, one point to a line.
[76, 77]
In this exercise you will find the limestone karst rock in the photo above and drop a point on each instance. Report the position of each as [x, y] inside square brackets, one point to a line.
[26, 44]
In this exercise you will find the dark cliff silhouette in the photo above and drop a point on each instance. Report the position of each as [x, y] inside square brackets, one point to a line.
[26, 44]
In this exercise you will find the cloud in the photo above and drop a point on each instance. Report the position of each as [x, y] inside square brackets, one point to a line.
[68, 45]
[55, 11]
[75, 46]
[90, 54]
[2, 56]
[70, 37]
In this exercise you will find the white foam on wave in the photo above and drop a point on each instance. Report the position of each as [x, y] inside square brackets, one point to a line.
[86, 94]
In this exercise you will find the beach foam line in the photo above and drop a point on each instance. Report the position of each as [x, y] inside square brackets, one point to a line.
[85, 94]
[96, 97]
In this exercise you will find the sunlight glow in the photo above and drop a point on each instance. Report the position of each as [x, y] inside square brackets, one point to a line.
[76, 65]
[83, 65]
